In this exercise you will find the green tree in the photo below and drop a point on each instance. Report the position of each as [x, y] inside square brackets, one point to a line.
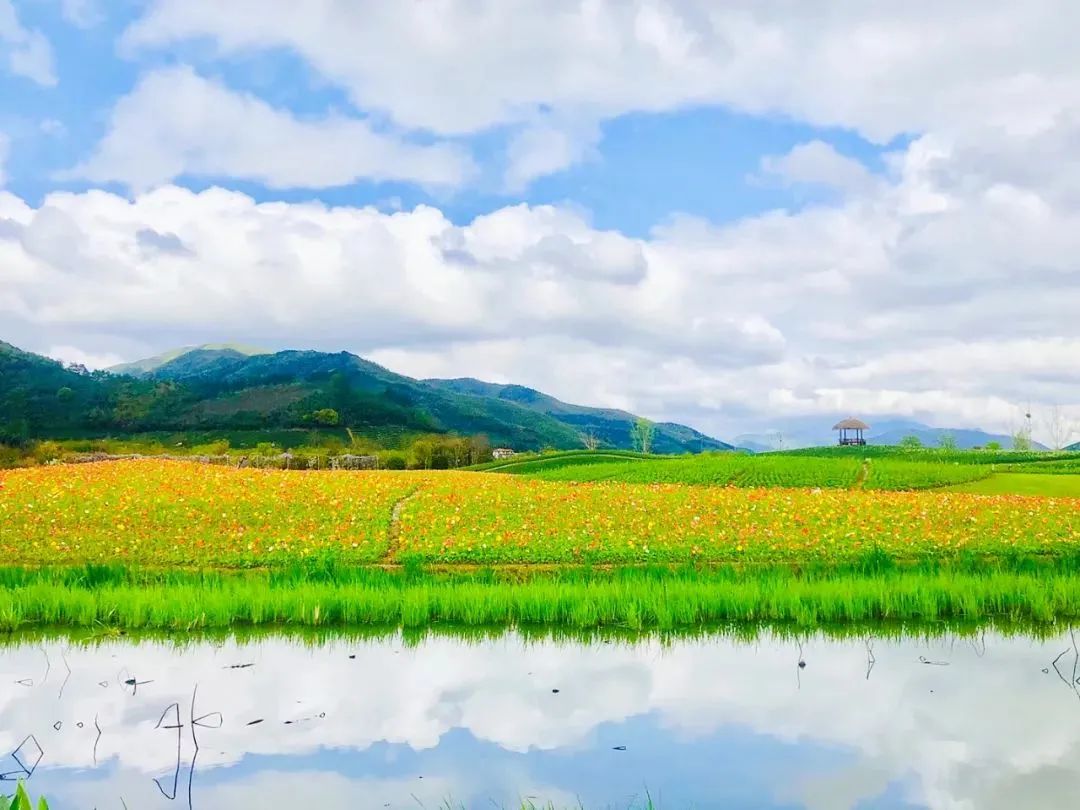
[393, 460]
[65, 394]
[911, 442]
[326, 416]
[642, 435]
[993, 445]
[479, 449]
[946, 441]
[1021, 440]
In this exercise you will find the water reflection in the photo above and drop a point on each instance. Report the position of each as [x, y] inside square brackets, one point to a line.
[981, 722]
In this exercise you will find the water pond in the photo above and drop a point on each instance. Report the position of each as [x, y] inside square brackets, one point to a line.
[981, 721]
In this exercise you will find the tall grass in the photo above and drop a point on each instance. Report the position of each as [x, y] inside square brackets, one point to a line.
[662, 598]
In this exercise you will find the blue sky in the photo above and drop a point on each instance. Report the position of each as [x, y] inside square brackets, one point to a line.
[703, 161]
[741, 215]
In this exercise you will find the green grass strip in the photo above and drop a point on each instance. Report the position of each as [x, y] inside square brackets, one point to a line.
[629, 598]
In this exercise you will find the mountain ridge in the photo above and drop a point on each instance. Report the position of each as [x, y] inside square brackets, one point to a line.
[604, 424]
[219, 387]
[149, 364]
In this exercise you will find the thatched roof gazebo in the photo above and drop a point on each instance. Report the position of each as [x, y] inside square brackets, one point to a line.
[851, 431]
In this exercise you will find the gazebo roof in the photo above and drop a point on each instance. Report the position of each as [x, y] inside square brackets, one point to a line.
[851, 423]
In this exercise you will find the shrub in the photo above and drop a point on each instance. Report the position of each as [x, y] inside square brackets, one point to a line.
[394, 460]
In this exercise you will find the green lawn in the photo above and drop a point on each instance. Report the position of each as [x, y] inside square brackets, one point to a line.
[1062, 486]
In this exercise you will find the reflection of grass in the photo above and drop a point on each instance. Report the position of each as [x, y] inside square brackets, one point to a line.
[1056, 485]
[637, 598]
[746, 632]
[21, 801]
[646, 803]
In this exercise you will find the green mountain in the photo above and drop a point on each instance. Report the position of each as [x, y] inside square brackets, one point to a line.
[609, 426]
[152, 363]
[221, 388]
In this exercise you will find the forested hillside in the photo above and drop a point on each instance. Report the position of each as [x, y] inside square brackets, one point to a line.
[222, 389]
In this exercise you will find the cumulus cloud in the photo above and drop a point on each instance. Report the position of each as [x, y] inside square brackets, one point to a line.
[176, 123]
[546, 147]
[879, 68]
[944, 288]
[924, 293]
[817, 163]
[82, 13]
[357, 277]
[27, 52]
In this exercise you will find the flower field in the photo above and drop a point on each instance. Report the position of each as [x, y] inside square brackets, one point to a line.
[503, 519]
[177, 513]
[166, 514]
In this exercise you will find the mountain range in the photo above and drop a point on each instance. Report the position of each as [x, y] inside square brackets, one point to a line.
[242, 389]
[231, 388]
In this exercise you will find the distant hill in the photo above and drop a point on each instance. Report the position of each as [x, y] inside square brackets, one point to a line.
[610, 427]
[816, 431]
[228, 388]
[38, 395]
[755, 443]
[965, 438]
[233, 350]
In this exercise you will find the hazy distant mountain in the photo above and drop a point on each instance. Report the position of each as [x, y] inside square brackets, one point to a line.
[965, 438]
[755, 442]
[817, 431]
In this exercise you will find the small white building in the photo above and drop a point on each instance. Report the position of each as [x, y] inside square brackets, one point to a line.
[502, 452]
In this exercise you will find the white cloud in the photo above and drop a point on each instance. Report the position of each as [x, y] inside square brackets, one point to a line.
[817, 163]
[52, 127]
[28, 52]
[82, 13]
[5, 148]
[933, 292]
[545, 147]
[73, 354]
[944, 288]
[877, 67]
[177, 123]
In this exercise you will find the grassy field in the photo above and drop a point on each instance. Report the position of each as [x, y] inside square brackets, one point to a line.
[933, 454]
[524, 463]
[1057, 485]
[99, 597]
[740, 470]
[152, 543]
